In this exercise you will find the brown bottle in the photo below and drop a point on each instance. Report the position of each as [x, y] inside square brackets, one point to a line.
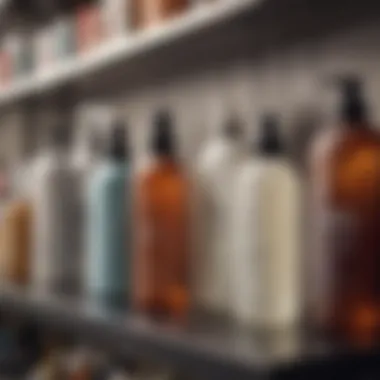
[162, 286]
[16, 242]
[148, 12]
[346, 201]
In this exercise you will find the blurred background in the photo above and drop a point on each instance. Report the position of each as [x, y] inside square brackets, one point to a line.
[189, 188]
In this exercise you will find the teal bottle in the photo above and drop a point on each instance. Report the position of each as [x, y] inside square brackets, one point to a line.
[109, 249]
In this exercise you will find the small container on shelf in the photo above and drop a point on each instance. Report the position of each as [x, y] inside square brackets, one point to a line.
[149, 13]
[44, 50]
[89, 27]
[5, 67]
[117, 18]
[20, 53]
[12, 47]
[65, 44]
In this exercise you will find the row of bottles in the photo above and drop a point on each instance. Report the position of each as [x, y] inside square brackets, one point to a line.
[246, 238]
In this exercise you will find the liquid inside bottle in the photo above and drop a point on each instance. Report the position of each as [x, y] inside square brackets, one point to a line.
[346, 195]
[162, 244]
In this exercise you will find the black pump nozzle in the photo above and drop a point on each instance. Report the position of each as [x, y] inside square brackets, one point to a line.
[270, 139]
[163, 139]
[353, 108]
[118, 141]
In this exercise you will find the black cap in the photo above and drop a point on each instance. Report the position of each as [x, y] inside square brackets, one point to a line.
[353, 107]
[117, 148]
[232, 128]
[270, 139]
[162, 138]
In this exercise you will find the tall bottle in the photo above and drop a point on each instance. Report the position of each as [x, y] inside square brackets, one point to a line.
[266, 259]
[345, 180]
[108, 265]
[216, 169]
[162, 262]
[57, 263]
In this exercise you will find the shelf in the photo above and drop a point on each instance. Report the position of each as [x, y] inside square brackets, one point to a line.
[208, 349]
[126, 48]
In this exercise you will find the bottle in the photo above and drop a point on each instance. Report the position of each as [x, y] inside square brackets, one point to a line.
[217, 167]
[162, 267]
[345, 189]
[116, 18]
[57, 212]
[86, 157]
[108, 260]
[266, 259]
[88, 27]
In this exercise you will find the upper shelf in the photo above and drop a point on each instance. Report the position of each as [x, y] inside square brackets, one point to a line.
[124, 49]
[209, 35]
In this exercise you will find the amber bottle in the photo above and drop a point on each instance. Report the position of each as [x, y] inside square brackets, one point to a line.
[148, 12]
[16, 244]
[161, 273]
[346, 202]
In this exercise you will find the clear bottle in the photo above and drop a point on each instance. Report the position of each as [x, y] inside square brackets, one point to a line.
[345, 189]
[216, 169]
[57, 215]
[108, 259]
[162, 256]
[266, 258]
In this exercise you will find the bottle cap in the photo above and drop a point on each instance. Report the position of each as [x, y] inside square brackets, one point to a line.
[353, 108]
[270, 139]
[118, 142]
[163, 139]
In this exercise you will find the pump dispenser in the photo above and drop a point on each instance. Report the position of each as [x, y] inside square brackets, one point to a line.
[162, 262]
[266, 254]
[345, 189]
[109, 249]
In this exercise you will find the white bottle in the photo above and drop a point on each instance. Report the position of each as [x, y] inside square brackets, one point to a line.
[216, 169]
[266, 258]
[57, 261]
